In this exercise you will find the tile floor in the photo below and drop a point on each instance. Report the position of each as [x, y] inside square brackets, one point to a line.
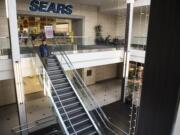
[37, 105]
[106, 92]
[8, 119]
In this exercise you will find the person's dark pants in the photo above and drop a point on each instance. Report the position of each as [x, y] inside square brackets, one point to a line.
[44, 61]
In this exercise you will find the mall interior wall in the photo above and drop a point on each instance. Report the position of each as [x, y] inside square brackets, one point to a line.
[93, 75]
[7, 92]
[3, 26]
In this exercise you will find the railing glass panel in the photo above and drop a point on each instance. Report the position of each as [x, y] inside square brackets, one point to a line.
[38, 97]
[5, 52]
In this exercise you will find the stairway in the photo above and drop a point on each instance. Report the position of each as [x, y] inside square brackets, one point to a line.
[75, 118]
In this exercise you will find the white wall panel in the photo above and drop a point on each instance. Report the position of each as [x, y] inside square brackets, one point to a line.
[7, 92]
[6, 71]
[84, 60]
[106, 72]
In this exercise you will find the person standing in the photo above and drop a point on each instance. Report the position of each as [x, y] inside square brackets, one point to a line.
[25, 36]
[42, 35]
[44, 52]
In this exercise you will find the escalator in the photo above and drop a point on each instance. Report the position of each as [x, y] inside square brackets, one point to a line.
[73, 113]
[74, 105]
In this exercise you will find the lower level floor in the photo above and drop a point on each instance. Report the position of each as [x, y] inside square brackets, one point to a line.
[107, 94]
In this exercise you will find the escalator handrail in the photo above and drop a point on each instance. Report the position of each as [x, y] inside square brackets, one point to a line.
[87, 91]
[97, 111]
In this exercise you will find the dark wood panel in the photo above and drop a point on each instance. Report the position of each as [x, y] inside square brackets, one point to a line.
[162, 70]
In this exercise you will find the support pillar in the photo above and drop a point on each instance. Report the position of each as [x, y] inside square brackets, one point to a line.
[161, 84]
[13, 31]
[128, 36]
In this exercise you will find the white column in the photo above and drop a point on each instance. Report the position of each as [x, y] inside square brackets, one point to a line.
[13, 29]
[128, 37]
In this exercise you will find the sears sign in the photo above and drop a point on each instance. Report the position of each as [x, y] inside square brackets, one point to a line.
[45, 6]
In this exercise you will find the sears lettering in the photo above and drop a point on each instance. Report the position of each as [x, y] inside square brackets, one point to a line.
[44, 6]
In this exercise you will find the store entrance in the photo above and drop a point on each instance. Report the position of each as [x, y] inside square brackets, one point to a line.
[66, 31]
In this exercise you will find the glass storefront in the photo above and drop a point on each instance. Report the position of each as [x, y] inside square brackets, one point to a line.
[32, 30]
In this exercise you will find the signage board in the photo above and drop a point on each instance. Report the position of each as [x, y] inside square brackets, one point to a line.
[45, 6]
[49, 31]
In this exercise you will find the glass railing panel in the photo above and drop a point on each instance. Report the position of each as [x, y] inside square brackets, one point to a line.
[136, 68]
[5, 52]
[49, 90]
[139, 40]
[34, 126]
[138, 43]
[37, 91]
[87, 44]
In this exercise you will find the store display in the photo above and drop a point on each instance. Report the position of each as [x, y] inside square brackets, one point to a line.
[135, 82]
[35, 26]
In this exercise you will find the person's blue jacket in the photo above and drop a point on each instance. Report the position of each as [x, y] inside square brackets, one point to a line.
[44, 51]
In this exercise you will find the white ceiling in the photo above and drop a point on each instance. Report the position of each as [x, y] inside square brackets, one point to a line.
[98, 2]
[115, 7]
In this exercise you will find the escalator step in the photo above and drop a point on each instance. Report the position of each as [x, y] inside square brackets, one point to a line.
[67, 97]
[83, 128]
[90, 132]
[61, 85]
[52, 64]
[76, 121]
[63, 93]
[53, 72]
[78, 116]
[61, 80]
[57, 76]
[68, 101]
[74, 114]
[53, 68]
[71, 130]
[64, 89]
[71, 110]
[64, 100]
[69, 105]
